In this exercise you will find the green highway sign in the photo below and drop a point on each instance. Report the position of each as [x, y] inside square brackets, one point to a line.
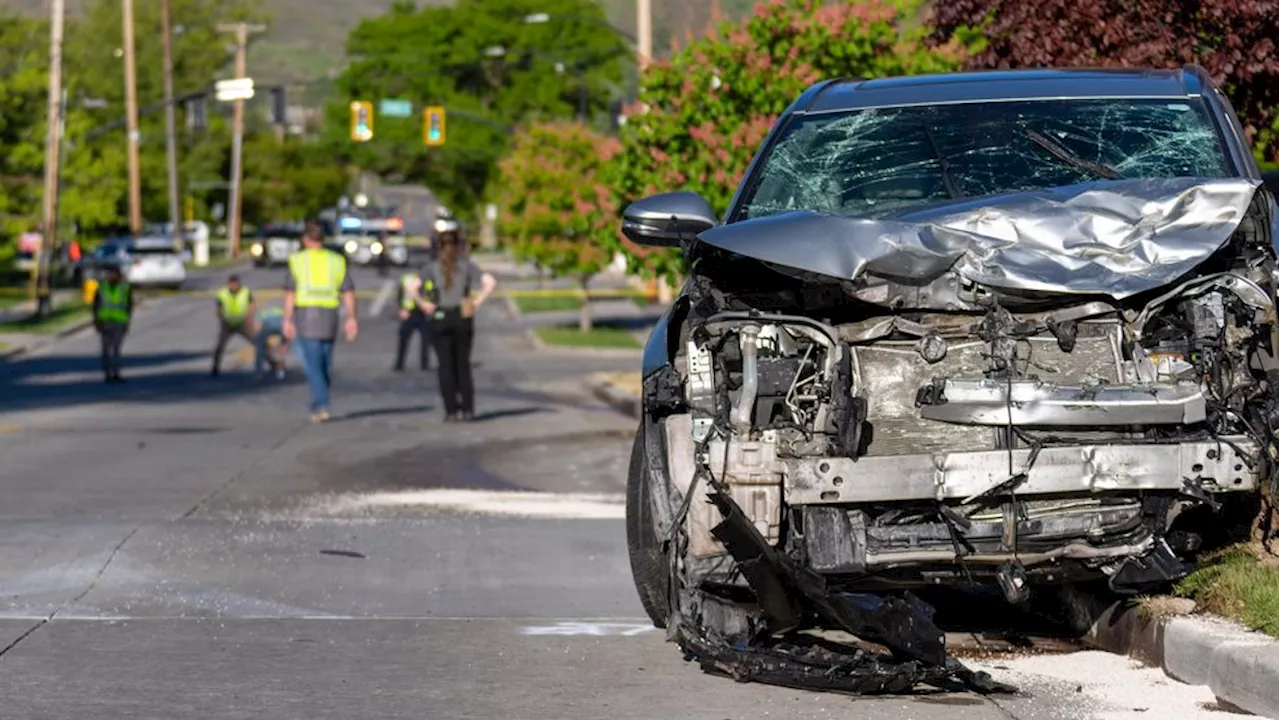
[395, 108]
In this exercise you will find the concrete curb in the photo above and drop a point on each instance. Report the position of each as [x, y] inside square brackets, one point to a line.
[609, 394]
[1239, 666]
[44, 340]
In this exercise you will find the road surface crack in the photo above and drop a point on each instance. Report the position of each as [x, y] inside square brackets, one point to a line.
[240, 475]
[79, 596]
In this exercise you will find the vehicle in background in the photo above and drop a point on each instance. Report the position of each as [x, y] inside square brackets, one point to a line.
[368, 235]
[144, 262]
[28, 247]
[276, 243]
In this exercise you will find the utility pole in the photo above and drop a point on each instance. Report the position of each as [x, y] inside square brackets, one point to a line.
[644, 33]
[241, 31]
[170, 124]
[52, 144]
[131, 102]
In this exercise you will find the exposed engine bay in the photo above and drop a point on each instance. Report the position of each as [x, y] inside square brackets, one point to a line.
[837, 436]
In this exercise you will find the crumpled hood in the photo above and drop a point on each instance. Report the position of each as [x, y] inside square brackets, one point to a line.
[1116, 238]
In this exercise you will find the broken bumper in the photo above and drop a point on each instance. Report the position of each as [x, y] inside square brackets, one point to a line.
[1209, 466]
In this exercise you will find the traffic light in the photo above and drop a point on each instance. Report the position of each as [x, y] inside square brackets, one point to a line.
[361, 121]
[433, 126]
[279, 106]
[197, 117]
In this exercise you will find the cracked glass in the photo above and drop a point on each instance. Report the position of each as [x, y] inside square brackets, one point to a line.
[873, 162]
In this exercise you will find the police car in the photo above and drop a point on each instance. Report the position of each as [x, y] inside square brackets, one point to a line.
[371, 236]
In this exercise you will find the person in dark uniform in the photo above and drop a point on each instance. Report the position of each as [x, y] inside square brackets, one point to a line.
[112, 311]
[413, 320]
[451, 305]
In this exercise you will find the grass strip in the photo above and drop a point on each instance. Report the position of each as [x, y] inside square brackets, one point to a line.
[1240, 582]
[64, 315]
[602, 337]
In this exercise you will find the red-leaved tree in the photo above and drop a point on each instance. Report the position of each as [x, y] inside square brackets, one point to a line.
[555, 207]
[1234, 40]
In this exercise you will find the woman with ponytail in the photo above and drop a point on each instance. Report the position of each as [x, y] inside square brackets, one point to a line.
[457, 288]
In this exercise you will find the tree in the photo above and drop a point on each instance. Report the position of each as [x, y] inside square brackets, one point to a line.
[24, 62]
[1235, 41]
[443, 56]
[555, 206]
[702, 114]
[287, 179]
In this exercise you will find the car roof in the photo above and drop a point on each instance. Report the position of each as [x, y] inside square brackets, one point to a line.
[152, 242]
[1002, 85]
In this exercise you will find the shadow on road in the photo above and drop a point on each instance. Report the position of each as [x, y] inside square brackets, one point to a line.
[384, 412]
[512, 412]
[54, 381]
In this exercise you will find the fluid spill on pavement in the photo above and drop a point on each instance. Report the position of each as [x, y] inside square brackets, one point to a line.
[515, 503]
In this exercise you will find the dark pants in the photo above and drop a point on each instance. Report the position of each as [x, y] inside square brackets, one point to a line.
[453, 336]
[112, 335]
[417, 323]
[225, 332]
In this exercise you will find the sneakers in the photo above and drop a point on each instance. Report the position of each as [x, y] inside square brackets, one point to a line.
[320, 416]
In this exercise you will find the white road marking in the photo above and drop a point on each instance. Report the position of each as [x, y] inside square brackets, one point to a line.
[572, 506]
[384, 295]
[596, 629]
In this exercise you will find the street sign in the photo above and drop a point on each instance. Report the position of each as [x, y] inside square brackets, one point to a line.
[395, 108]
[236, 89]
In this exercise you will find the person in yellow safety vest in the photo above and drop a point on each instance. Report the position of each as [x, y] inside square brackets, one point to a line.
[235, 317]
[316, 289]
[112, 310]
[413, 320]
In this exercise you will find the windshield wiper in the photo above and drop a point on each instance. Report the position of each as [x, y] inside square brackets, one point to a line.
[1064, 154]
[948, 180]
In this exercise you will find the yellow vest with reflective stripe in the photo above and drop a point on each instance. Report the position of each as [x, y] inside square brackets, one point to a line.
[235, 306]
[113, 303]
[317, 277]
[406, 302]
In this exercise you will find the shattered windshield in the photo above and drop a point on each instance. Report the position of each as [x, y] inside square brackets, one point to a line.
[870, 162]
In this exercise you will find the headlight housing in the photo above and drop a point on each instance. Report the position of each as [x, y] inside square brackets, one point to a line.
[351, 246]
[376, 248]
[256, 250]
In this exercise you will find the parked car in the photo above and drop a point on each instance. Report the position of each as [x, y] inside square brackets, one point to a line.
[276, 243]
[145, 261]
[1010, 328]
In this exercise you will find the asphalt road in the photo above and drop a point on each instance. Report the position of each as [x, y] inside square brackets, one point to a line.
[189, 547]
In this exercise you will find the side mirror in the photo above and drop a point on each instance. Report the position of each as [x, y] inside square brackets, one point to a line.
[1269, 181]
[668, 219]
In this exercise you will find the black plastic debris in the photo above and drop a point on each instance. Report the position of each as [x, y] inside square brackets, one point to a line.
[343, 553]
[785, 592]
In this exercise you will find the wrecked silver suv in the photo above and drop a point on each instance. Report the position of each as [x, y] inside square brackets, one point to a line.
[1008, 329]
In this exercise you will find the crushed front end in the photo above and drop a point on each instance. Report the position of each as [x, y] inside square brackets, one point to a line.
[832, 445]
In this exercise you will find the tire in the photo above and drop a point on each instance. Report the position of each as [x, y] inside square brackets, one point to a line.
[648, 563]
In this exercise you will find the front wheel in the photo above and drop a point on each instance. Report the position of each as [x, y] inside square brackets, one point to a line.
[648, 562]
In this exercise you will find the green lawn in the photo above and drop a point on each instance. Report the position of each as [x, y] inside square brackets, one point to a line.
[602, 337]
[64, 315]
[568, 300]
[9, 299]
[1238, 583]
[546, 303]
